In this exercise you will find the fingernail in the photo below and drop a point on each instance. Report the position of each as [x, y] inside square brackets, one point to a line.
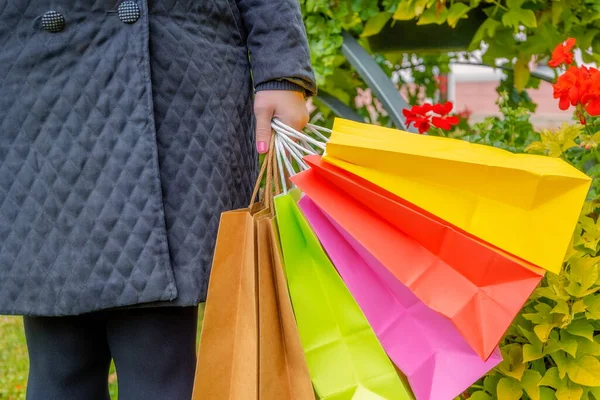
[261, 147]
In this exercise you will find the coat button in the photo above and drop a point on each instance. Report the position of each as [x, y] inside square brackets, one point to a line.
[129, 12]
[53, 21]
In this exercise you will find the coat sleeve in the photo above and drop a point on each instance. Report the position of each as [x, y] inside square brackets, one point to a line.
[277, 43]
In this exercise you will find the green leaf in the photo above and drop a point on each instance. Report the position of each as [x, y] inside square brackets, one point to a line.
[376, 24]
[529, 382]
[590, 348]
[514, 18]
[536, 148]
[405, 11]
[583, 273]
[521, 73]
[551, 378]
[514, 4]
[547, 394]
[558, 6]
[487, 29]
[421, 5]
[562, 363]
[542, 315]
[533, 339]
[509, 389]
[531, 353]
[579, 306]
[569, 391]
[490, 383]
[569, 346]
[543, 330]
[481, 395]
[584, 370]
[595, 392]
[581, 328]
[512, 361]
[433, 16]
[457, 12]
[584, 41]
[561, 307]
[593, 306]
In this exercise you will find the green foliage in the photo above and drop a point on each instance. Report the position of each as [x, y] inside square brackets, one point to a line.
[577, 144]
[516, 30]
[13, 359]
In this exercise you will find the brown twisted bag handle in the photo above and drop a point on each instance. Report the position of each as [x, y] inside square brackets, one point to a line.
[266, 171]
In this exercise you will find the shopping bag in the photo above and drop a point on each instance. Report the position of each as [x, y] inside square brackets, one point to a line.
[479, 288]
[250, 346]
[527, 205]
[227, 366]
[424, 345]
[344, 357]
[283, 373]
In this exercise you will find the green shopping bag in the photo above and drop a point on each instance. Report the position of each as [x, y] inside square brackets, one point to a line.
[345, 359]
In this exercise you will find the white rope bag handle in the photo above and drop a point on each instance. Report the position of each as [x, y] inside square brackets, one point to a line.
[295, 144]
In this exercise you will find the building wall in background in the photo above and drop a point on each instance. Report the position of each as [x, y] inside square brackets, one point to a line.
[475, 88]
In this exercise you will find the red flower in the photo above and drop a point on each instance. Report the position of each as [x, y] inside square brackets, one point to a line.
[568, 87]
[590, 91]
[579, 86]
[419, 117]
[562, 54]
[422, 120]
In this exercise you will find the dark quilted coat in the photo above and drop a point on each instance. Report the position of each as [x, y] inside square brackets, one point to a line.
[125, 130]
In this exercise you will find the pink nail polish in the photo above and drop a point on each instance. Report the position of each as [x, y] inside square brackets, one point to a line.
[261, 147]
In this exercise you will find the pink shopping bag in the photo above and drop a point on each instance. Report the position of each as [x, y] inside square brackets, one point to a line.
[423, 344]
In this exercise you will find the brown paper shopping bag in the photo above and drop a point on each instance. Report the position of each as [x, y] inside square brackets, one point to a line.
[227, 361]
[249, 346]
[283, 372]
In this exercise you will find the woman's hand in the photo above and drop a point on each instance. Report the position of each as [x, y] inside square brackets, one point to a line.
[287, 106]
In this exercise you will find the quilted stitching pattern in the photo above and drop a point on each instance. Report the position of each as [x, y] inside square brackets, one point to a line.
[277, 42]
[81, 221]
[121, 144]
[203, 105]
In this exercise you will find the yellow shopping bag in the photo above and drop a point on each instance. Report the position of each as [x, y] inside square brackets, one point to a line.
[524, 204]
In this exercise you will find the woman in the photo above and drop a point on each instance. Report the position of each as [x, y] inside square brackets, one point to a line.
[126, 128]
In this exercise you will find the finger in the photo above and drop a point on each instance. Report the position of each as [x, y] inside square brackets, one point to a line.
[298, 119]
[263, 129]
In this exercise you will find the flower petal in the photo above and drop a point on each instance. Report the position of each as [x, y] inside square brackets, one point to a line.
[453, 120]
[569, 44]
[564, 103]
[593, 106]
[441, 123]
[442, 109]
[424, 126]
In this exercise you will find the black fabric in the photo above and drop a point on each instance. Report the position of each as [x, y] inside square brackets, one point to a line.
[277, 42]
[153, 349]
[122, 143]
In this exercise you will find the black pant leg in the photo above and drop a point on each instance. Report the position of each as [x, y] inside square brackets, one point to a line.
[69, 358]
[154, 350]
